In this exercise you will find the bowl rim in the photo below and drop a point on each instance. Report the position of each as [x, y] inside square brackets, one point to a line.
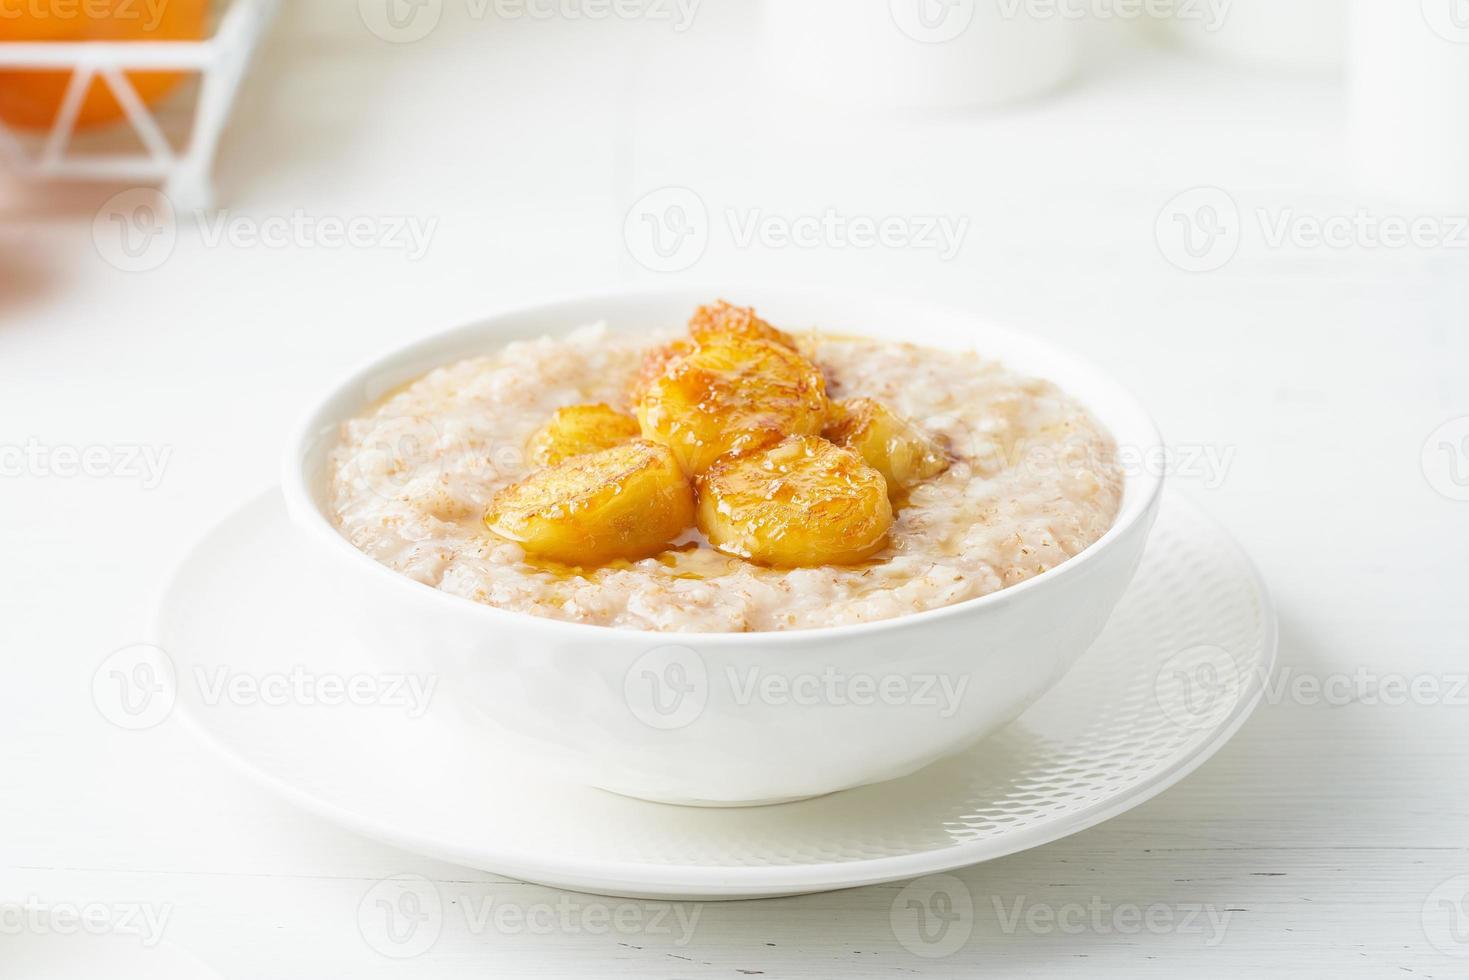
[306, 434]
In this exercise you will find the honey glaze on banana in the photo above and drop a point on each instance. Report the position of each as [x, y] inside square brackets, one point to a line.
[779, 474]
[693, 560]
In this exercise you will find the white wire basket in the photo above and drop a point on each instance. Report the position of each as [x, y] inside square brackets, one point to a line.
[219, 60]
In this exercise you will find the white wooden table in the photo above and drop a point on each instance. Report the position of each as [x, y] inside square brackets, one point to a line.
[1311, 376]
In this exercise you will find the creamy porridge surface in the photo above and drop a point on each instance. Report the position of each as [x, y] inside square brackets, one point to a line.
[1033, 481]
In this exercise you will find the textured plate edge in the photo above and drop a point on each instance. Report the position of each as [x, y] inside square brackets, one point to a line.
[706, 883]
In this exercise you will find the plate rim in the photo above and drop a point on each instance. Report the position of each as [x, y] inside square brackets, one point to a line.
[719, 882]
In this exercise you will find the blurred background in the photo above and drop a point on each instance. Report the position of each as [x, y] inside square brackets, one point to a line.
[1254, 212]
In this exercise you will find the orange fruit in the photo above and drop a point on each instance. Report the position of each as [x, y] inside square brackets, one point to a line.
[31, 99]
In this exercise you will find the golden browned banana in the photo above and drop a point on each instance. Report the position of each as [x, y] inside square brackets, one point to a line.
[731, 394]
[708, 323]
[655, 363]
[890, 444]
[724, 320]
[578, 429]
[624, 502]
[801, 502]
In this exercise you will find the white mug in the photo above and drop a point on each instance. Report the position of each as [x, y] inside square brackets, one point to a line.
[1410, 99]
[1291, 35]
[931, 53]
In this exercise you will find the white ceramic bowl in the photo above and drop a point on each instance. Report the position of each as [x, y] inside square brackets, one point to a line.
[736, 718]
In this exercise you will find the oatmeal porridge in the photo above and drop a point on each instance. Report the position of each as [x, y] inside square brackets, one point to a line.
[731, 477]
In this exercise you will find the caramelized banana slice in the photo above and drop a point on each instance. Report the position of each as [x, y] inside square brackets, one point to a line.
[624, 502]
[655, 363]
[709, 323]
[802, 502]
[579, 429]
[732, 394]
[725, 320]
[892, 445]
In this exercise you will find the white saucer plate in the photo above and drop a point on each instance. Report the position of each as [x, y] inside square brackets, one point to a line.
[263, 676]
